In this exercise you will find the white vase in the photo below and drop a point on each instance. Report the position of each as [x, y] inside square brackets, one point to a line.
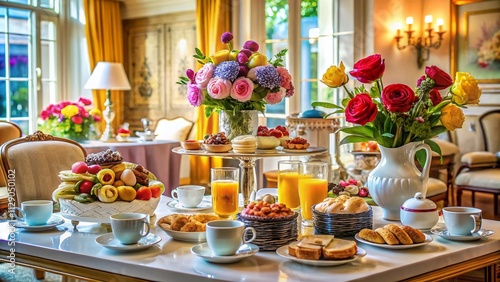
[397, 178]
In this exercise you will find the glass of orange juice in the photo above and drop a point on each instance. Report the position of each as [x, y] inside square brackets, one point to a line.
[313, 188]
[225, 187]
[288, 183]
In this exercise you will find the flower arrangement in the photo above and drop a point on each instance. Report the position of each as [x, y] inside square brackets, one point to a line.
[236, 80]
[69, 119]
[395, 115]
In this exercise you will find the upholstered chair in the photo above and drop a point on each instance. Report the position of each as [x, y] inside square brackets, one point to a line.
[480, 171]
[177, 128]
[37, 160]
[8, 131]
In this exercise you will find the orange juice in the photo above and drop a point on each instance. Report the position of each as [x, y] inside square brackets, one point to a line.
[225, 197]
[288, 188]
[311, 192]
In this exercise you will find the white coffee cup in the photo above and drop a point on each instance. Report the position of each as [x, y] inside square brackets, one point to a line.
[462, 220]
[225, 237]
[129, 227]
[35, 212]
[190, 196]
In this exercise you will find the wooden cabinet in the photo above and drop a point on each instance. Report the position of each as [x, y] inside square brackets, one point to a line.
[157, 51]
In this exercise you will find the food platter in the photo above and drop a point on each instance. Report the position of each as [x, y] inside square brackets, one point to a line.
[185, 236]
[283, 252]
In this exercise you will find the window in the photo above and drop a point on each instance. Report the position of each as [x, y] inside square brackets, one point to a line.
[315, 34]
[34, 54]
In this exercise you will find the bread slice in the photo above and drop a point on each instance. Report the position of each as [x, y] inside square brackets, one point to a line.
[340, 249]
[308, 251]
[292, 249]
[320, 240]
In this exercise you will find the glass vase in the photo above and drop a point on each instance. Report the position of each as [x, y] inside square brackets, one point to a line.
[239, 123]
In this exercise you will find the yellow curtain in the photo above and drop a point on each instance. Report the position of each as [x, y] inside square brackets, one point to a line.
[213, 18]
[105, 43]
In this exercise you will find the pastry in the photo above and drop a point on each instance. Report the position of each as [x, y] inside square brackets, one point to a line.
[371, 236]
[356, 205]
[416, 235]
[387, 235]
[403, 238]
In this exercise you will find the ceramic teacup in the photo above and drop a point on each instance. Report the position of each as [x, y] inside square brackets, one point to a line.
[462, 220]
[130, 227]
[36, 212]
[225, 237]
[190, 196]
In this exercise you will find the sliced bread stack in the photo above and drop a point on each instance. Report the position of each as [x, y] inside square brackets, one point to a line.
[315, 247]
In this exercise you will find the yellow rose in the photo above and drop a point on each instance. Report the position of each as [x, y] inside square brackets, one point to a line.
[335, 76]
[256, 60]
[95, 112]
[452, 117]
[220, 56]
[69, 111]
[465, 89]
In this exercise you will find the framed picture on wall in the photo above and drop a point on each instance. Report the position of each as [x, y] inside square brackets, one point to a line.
[476, 40]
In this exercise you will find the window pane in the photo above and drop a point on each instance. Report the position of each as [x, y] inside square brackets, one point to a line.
[48, 30]
[3, 99]
[18, 57]
[19, 99]
[21, 1]
[48, 60]
[47, 4]
[2, 19]
[2, 55]
[19, 21]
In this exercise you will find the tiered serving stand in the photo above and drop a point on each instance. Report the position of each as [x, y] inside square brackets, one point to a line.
[248, 178]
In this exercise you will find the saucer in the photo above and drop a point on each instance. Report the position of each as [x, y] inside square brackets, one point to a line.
[204, 251]
[443, 232]
[283, 252]
[109, 241]
[204, 205]
[51, 223]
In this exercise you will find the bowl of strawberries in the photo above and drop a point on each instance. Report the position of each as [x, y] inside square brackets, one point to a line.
[270, 138]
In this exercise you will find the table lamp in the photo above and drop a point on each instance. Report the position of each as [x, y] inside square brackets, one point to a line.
[108, 76]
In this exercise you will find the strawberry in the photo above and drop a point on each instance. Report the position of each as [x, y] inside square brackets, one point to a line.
[264, 132]
[276, 133]
[261, 128]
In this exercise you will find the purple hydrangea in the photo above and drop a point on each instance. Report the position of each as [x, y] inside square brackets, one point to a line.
[227, 70]
[268, 77]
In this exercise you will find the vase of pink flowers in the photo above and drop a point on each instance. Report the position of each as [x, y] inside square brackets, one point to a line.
[71, 120]
[402, 120]
[238, 84]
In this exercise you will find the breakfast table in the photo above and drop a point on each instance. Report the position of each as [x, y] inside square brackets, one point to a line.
[75, 252]
[155, 156]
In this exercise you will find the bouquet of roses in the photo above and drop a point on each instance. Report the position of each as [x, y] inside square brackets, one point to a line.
[396, 114]
[69, 119]
[236, 80]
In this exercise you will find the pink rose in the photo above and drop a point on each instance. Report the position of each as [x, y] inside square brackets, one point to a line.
[219, 88]
[276, 97]
[252, 73]
[97, 118]
[194, 94]
[242, 89]
[204, 75]
[77, 119]
[286, 78]
[44, 114]
[84, 101]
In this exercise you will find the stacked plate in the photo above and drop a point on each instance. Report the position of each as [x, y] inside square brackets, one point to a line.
[272, 233]
[244, 144]
[341, 224]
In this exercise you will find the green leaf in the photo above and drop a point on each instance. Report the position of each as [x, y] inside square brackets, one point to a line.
[354, 139]
[326, 105]
[421, 157]
[438, 129]
[199, 53]
[359, 130]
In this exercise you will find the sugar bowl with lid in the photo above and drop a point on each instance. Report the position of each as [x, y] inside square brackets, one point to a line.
[419, 212]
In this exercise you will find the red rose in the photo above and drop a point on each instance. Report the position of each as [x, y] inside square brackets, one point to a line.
[435, 97]
[361, 109]
[398, 98]
[441, 79]
[369, 69]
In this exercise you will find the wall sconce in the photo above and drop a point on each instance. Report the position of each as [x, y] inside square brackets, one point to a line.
[421, 44]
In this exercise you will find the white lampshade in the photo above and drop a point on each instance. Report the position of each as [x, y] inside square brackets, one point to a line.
[108, 76]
